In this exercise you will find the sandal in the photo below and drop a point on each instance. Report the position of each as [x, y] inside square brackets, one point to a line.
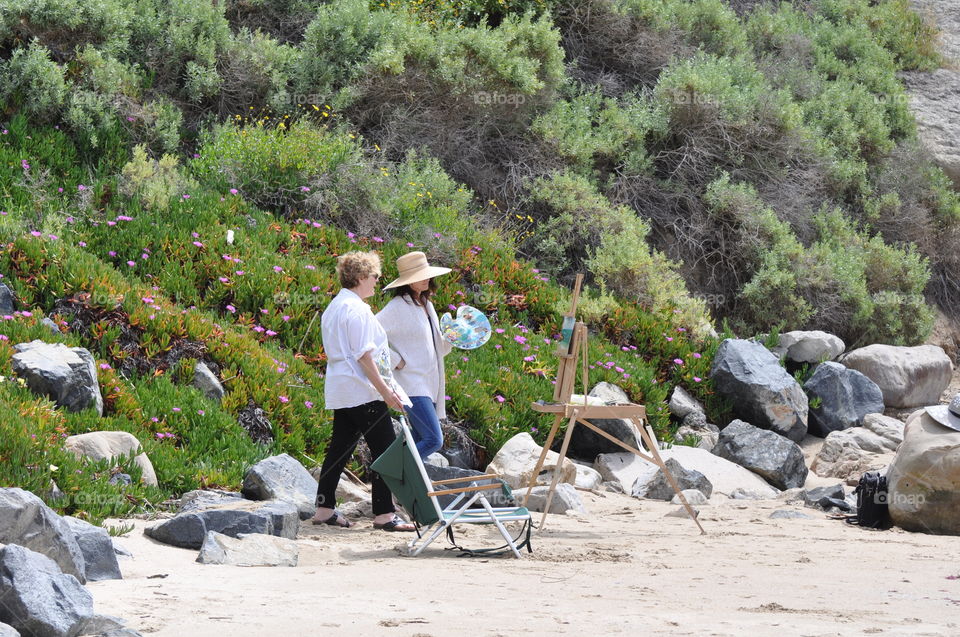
[335, 520]
[394, 525]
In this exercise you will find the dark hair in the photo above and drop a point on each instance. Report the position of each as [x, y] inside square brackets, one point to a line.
[407, 291]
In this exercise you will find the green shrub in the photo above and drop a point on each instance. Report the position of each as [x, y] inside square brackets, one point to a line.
[153, 182]
[34, 82]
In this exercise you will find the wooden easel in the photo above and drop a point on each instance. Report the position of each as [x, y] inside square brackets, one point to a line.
[580, 414]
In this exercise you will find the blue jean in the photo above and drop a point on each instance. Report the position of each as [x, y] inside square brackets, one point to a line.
[424, 425]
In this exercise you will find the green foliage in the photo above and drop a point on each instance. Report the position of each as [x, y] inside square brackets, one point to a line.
[153, 182]
[33, 81]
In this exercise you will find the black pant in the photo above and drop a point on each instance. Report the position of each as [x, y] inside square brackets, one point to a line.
[372, 421]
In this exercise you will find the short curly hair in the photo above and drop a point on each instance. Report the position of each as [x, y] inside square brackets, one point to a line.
[355, 266]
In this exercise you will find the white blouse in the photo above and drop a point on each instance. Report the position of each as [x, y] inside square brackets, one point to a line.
[349, 331]
[414, 335]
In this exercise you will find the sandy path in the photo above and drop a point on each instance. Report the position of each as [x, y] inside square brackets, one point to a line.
[625, 569]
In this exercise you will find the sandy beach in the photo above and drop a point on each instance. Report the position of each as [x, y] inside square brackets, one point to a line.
[622, 569]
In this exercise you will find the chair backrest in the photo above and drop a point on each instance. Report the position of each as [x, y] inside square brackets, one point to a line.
[403, 471]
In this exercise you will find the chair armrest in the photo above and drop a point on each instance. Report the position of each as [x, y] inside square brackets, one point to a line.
[481, 487]
[487, 476]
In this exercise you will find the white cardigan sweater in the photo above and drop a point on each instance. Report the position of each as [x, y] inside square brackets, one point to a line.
[414, 336]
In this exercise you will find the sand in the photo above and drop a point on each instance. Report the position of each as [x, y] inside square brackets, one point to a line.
[622, 569]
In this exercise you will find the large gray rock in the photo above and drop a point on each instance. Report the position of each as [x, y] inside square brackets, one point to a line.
[282, 478]
[682, 403]
[7, 305]
[67, 375]
[103, 445]
[850, 453]
[206, 381]
[565, 498]
[761, 390]
[935, 102]
[252, 549]
[99, 557]
[808, 347]
[907, 376]
[845, 397]
[8, 631]
[727, 478]
[778, 460]
[923, 481]
[37, 598]
[25, 520]
[189, 528]
[659, 488]
[695, 425]
[585, 443]
[517, 459]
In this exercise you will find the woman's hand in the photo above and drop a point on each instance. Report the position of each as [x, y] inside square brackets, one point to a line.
[393, 400]
[401, 364]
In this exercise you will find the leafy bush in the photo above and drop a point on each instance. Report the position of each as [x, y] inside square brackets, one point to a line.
[153, 182]
[33, 81]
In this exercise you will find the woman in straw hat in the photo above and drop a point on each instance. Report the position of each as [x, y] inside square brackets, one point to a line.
[359, 388]
[417, 348]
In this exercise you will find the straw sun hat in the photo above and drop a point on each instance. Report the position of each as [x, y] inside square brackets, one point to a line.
[413, 267]
[947, 415]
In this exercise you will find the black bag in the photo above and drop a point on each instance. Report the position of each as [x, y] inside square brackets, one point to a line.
[872, 502]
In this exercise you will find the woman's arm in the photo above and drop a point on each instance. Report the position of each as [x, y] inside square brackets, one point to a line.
[370, 370]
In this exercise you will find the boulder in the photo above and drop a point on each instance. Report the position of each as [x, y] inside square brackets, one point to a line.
[845, 396]
[822, 496]
[50, 325]
[101, 445]
[282, 478]
[778, 460]
[585, 443]
[565, 498]
[907, 376]
[682, 403]
[762, 391]
[659, 487]
[935, 103]
[39, 600]
[808, 347]
[206, 381]
[727, 478]
[248, 549]
[587, 477]
[67, 375]
[233, 516]
[695, 425]
[8, 631]
[26, 521]
[923, 481]
[852, 452]
[694, 497]
[99, 557]
[517, 459]
[437, 459]
[7, 303]
[347, 489]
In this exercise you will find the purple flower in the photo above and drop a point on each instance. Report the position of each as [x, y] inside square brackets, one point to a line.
[697, 379]
[231, 309]
[82, 244]
[112, 253]
[201, 412]
[304, 189]
[234, 191]
[499, 398]
[131, 263]
[409, 245]
[198, 244]
[270, 333]
[284, 399]
[81, 187]
[277, 268]
[696, 355]
[35, 233]
[308, 404]
[678, 361]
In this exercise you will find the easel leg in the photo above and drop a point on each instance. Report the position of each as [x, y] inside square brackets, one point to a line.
[556, 473]
[673, 483]
[543, 457]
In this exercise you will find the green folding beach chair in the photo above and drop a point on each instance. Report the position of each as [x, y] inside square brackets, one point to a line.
[401, 468]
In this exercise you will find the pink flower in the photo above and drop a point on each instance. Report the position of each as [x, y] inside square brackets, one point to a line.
[131, 263]
[231, 309]
[499, 398]
[112, 253]
[304, 189]
[409, 245]
[234, 191]
[308, 404]
[111, 223]
[678, 361]
[186, 196]
[520, 339]
[82, 244]
[224, 279]
[176, 409]
[669, 338]
[239, 272]
[271, 333]
[697, 379]
[696, 355]
[499, 330]
[198, 244]
[310, 267]
[124, 218]
[286, 318]
[35, 233]
[277, 268]
[378, 240]
[529, 358]
[201, 412]
[81, 187]
[284, 399]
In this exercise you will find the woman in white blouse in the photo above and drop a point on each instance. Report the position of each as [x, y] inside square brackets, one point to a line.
[359, 388]
[417, 348]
